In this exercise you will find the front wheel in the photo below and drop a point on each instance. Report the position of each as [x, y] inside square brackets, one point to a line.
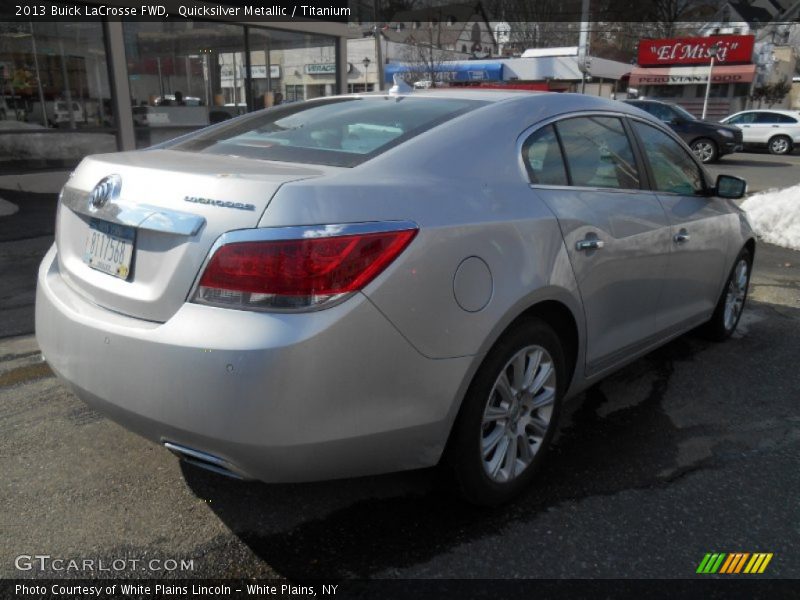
[509, 415]
[705, 150]
[731, 304]
[780, 144]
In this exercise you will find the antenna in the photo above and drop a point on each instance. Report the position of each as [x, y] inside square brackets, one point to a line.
[400, 86]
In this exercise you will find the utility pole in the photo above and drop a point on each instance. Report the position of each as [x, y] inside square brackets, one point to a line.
[583, 42]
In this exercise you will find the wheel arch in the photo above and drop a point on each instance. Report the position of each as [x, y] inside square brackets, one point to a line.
[558, 315]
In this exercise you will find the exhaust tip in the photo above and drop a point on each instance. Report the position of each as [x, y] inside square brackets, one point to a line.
[206, 461]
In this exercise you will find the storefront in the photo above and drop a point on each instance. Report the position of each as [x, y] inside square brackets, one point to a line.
[677, 70]
[74, 88]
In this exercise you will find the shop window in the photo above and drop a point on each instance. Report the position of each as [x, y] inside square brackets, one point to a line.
[55, 106]
[183, 75]
[302, 66]
[718, 90]
[666, 91]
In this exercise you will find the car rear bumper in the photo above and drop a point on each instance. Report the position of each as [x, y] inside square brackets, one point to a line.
[275, 397]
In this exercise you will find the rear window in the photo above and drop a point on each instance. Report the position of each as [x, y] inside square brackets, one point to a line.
[341, 132]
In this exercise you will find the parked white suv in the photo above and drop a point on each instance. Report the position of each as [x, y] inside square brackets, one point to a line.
[777, 130]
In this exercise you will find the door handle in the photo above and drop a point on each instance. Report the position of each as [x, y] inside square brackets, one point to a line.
[776, 125]
[681, 237]
[590, 244]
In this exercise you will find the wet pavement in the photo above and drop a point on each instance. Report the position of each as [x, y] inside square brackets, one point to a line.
[692, 449]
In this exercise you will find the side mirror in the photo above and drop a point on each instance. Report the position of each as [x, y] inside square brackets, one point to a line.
[729, 186]
[676, 121]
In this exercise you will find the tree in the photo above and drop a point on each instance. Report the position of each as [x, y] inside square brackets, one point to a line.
[541, 23]
[423, 55]
[771, 94]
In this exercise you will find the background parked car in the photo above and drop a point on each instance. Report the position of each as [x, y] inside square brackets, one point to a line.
[57, 113]
[709, 141]
[776, 130]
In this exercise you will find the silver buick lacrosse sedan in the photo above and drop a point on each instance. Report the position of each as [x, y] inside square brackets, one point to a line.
[363, 284]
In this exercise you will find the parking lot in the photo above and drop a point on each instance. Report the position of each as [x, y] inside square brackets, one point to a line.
[693, 449]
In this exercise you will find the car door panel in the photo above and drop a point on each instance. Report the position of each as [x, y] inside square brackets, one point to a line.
[699, 225]
[617, 235]
[621, 283]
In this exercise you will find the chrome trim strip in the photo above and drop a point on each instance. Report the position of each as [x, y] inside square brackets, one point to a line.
[141, 216]
[297, 232]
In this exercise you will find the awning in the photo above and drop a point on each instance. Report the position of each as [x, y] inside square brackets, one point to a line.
[692, 75]
[472, 70]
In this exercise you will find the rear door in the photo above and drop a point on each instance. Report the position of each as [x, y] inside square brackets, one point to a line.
[763, 127]
[744, 122]
[616, 234]
[700, 227]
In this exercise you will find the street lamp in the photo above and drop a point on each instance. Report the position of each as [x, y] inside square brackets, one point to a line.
[712, 52]
[365, 62]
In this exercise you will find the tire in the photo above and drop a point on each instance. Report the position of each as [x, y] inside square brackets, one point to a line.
[502, 435]
[705, 149]
[780, 144]
[732, 300]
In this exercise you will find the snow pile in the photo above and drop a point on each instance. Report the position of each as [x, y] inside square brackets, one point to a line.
[775, 216]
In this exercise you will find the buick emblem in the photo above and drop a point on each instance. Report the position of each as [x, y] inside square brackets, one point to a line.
[107, 189]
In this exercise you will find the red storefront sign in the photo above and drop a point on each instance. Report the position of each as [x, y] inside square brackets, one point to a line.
[733, 49]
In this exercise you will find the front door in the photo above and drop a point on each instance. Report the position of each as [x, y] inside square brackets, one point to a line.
[698, 225]
[616, 234]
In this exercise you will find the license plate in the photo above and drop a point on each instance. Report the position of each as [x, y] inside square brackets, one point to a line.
[109, 248]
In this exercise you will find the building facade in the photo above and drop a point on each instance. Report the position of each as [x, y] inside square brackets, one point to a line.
[74, 88]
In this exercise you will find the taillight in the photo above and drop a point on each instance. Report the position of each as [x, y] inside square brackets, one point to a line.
[296, 274]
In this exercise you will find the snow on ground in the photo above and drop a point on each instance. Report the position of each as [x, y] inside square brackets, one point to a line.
[775, 215]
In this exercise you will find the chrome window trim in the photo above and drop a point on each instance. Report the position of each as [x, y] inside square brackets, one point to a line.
[295, 232]
[523, 137]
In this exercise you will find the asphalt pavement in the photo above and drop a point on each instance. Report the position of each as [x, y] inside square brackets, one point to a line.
[692, 449]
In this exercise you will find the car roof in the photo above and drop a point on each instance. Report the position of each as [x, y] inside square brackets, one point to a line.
[647, 100]
[780, 111]
[486, 95]
[556, 102]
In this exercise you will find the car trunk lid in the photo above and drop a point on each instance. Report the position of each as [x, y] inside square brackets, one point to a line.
[172, 206]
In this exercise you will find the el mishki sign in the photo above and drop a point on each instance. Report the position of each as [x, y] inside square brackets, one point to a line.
[732, 49]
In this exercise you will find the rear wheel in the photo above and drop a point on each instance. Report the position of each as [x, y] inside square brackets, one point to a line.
[705, 149]
[780, 144]
[731, 304]
[509, 415]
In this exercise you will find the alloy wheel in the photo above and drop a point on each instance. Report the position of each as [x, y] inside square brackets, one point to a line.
[704, 150]
[779, 145]
[737, 290]
[518, 413]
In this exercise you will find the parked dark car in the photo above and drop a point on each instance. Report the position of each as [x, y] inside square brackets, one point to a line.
[709, 141]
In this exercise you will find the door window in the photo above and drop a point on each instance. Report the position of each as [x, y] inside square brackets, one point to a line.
[742, 119]
[598, 153]
[766, 118]
[543, 160]
[674, 170]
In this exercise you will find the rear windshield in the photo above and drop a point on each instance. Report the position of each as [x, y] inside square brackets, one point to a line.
[342, 132]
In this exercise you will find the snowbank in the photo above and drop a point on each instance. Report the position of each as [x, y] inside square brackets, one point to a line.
[775, 215]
